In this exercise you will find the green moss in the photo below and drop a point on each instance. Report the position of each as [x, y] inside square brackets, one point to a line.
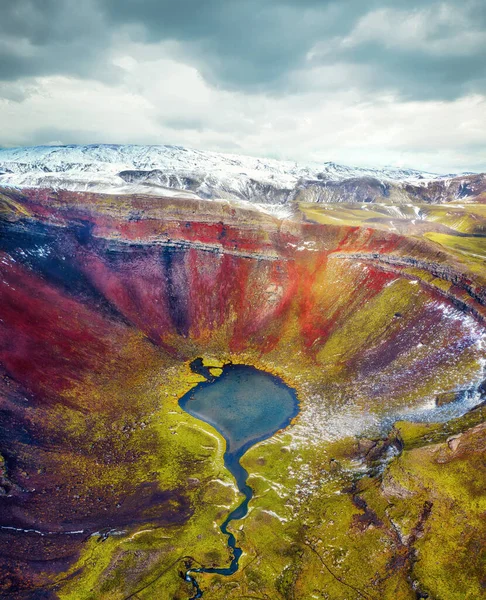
[215, 371]
[415, 435]
[443, 476]
[363, 327]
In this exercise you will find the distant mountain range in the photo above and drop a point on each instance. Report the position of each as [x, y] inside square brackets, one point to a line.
[179, 171]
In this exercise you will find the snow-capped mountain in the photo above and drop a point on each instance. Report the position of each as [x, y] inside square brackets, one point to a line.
[165, 170]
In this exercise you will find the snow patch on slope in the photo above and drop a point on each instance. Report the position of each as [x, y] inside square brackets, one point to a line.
[153, 169]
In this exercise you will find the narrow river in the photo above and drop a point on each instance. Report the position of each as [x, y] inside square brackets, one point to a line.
[246, 406]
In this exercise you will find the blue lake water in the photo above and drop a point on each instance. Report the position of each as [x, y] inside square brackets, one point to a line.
[246, 406]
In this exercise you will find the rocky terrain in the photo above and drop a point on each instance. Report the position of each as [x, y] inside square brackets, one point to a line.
[157, 169]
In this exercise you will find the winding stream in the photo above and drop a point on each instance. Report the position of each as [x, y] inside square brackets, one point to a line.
[246, 406]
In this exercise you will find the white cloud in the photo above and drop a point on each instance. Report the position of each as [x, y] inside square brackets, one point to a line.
[162, 100]
[442, 30]
[394, 82]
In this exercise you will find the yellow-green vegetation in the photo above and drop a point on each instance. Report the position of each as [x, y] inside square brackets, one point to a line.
[463, 218]
[364, 327]
[10, 208]
[441, 487]
[325, 524]
[215, 371]
[149, 561]
[174, 451]
[342, 214]
[468, 249]
[413, 435]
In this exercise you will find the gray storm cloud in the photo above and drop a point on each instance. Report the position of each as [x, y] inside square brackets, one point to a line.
[203, 66]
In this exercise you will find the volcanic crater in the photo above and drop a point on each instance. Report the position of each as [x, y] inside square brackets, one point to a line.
[109, 489]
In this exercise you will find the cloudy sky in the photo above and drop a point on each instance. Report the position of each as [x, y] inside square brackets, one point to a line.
[364, 82]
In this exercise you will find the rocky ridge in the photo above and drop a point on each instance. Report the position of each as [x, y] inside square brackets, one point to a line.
[155, 169]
